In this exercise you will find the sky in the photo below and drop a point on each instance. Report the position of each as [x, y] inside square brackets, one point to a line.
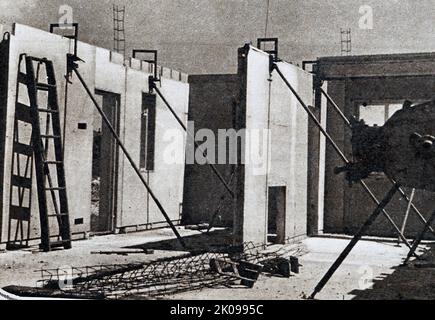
[202, 36]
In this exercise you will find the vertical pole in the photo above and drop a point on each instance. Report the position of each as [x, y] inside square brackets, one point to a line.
[408, 209]
[267, 18]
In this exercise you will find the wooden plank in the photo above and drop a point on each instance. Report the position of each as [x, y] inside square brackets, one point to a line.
[22, 78]
[49, 293]
[19, 213]
[23, 182]
[22, 112]
[23, 149]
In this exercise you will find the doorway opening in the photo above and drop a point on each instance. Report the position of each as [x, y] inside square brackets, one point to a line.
[276, 215]
[105, 154]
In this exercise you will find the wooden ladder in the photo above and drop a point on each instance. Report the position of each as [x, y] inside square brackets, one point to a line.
[48, 152]
[20, 196]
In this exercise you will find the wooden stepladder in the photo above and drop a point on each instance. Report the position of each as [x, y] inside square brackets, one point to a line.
[20, 203]
[42, 112]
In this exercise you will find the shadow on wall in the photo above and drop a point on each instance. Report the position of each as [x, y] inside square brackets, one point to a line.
[412, 282]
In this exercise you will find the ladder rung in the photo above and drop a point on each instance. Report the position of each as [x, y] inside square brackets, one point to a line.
[48, 110]
[22, 77]
[21, 182]
[22, 112]
[57, 215]
[53, 162]
[42, 60]
[55, 188]
[45, 86]
[19, 213]
[23, 149]
[44, 136]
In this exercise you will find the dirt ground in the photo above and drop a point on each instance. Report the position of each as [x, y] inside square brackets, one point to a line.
[372, 270]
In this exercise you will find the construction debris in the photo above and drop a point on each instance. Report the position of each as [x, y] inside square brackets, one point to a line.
[172, 275]
[247, 272]
[124, 252]
[30, 292]
[197, 227]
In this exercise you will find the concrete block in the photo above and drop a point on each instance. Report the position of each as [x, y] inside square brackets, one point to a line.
[102, 55]
[184, 77]
[159, 70]
[175, 75]
[135, 64]
[116, 57]
[147, 67]
[166, 73]
[151, 68]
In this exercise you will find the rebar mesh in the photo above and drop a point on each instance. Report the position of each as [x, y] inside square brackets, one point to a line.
[157, 278]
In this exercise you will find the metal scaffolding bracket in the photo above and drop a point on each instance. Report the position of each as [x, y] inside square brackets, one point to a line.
[152, 61]
[261, 42]
[64, 26]
[72, 58]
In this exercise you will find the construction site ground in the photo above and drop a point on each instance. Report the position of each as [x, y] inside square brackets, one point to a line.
[371, 271]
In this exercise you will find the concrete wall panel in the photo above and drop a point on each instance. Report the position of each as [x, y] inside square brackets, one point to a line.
[289, 165]
[334, 184]
[270, 105]
[77, 141]
[135, 206]
[106, 71]
[257, 117]
[212, 103]
[168, 177]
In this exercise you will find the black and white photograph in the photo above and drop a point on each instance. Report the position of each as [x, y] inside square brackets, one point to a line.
[229, 151]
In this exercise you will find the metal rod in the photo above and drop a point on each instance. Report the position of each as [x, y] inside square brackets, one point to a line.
[267, 18]
[420, 237]
[385, 213]
[312, 116]
[420, 216]
[408, 209]
[65, 111]
[401, 191]
[337, 149]
[354, 241]
[134, 166]
[216, 172]
[336, 107]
